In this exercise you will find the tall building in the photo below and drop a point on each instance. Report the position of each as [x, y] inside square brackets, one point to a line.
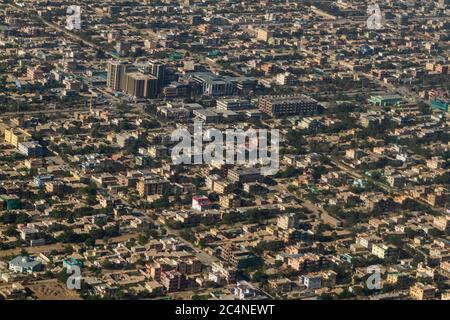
[117, 74]
[140, 85]
[158, 70]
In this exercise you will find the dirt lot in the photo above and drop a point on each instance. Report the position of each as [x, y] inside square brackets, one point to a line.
[52, 290]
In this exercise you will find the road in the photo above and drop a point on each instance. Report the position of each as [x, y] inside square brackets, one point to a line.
[61, 246]
[35, 112]
[204, 257]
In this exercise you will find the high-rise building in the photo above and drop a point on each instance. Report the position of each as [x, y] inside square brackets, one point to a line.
[158, 70]
[117, 75]
[141, 85]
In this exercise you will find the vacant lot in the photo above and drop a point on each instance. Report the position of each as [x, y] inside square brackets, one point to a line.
[52, 290]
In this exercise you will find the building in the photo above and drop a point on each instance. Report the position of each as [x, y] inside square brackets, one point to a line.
[31, 149]
[54, 187]
[420, 291]
[190, 266]
[388, 100]
[442, 223]
[286, 79]
[35, 73]
[286, 221]
[39, 181]
[175, 90]
[242, 175]
[255, 188]
[310, 124]
[71, 262]
[311, 281]
[151, 186]
[217, 184]
[229, 201]
[117, 74]
[139, 85]
[173, 280]
[245, 291]
[443, 4]
[263, 35]
[440, 105]
[10, 202]
[308, 262]
[233, 104]
[383, 251]
[206, 115]
[15, 136]
[25, 264]
[213, 85]
[238, 256]
[396, 181]
[210, 84]
[158, 70]
[288, 105]
[201, 203]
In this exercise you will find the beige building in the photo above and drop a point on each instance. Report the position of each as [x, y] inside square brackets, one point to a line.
[383, 251]
[263, 35]
[421, 291]
[152, 186]
[15, 136]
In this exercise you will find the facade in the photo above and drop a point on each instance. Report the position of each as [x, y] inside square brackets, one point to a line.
[14, 136]
[286, 221]
[239, 257]
[289, 105]
[158, 70]
[140, 85]
[116, 75]
[440, 105]
[311, 281]
[243, 175]
[31, 149]
[173, 281]
[385, 100]
[35, 73]
[151, 186]
[421, 291]
[383, 251]
[201, 203]
[25, 264]
[212, 85]
[233, 104]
